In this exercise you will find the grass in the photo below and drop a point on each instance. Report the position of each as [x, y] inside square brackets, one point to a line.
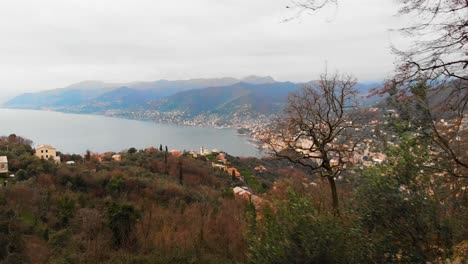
[251, 180]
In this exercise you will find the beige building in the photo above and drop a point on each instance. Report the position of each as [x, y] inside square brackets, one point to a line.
[117, 157]
[47, 152]
[3, 164]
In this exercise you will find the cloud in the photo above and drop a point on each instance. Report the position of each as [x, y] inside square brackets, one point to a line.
[53, 43]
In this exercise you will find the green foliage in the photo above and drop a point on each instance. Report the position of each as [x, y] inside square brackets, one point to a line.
[11, 239]
[59, 240]
[399, 219]
[294, 232]
[59, 218]
[397, 212]
[251, 180]
[115, 185]
[65, 210]
[228, 193]
[21, 175]
[212, 156]
[76, 183]
[132, 150]
[122, 218]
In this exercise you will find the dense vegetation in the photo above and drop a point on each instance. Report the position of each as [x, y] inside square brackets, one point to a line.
[132, 211]
[118, 212]
[152, 207]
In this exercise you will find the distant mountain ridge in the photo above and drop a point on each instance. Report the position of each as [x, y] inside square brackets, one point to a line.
[88, 91]
[264, 98]
[163, 100]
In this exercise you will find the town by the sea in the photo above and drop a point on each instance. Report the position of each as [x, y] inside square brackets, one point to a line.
[73, 133]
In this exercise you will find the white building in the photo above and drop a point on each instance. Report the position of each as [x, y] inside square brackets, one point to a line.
[204, 151]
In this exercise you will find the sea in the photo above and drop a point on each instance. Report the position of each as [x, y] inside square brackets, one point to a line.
[77, 133]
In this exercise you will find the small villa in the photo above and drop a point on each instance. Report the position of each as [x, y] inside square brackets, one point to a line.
[47, 152]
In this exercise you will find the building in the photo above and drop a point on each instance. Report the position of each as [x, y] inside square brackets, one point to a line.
[3, 164]
[193, 153]
[236, 172]
[117, 157]
[260, 168]
[204, 151]
[241, 193]
[221, 158]
[219, 166]
[47, 152]
[176, 153]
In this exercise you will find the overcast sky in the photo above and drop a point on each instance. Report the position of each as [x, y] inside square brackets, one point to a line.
[53, 43]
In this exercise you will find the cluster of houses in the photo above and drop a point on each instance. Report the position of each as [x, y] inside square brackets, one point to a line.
[107, 156]
[48, 152]
[42, 152]
[220, 162]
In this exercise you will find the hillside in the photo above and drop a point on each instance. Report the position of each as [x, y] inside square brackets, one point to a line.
[206, 102]
[261, 98]
[99, 210]
[89, 92]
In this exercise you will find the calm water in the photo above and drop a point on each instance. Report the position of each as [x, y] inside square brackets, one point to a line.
[71, 133]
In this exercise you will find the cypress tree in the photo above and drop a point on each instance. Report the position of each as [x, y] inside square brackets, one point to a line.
[165, 161]
[88, 155]
[181, 176]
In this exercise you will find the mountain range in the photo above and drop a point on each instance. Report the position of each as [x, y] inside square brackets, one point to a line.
[194, 97]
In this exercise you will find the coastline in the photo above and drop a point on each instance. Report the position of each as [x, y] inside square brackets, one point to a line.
[249, 137]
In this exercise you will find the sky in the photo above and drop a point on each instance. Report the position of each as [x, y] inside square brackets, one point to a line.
[54, 43]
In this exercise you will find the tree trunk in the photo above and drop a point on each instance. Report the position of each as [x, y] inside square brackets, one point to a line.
[331, 181]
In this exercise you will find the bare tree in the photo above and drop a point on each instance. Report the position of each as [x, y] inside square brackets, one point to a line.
[439, 56]
[317, 128]
[440, 39]
[300, 6]
[312, 4]
[440, 36]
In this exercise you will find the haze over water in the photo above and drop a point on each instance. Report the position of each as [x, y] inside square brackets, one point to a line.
[72, 133]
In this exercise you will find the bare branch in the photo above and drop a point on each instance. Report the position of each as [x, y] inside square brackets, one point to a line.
[317, 120]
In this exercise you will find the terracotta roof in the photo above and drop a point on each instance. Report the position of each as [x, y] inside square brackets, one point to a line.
[237, 173]
[176, 153]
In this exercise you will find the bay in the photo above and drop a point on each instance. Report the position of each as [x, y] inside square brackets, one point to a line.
[73, 133]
